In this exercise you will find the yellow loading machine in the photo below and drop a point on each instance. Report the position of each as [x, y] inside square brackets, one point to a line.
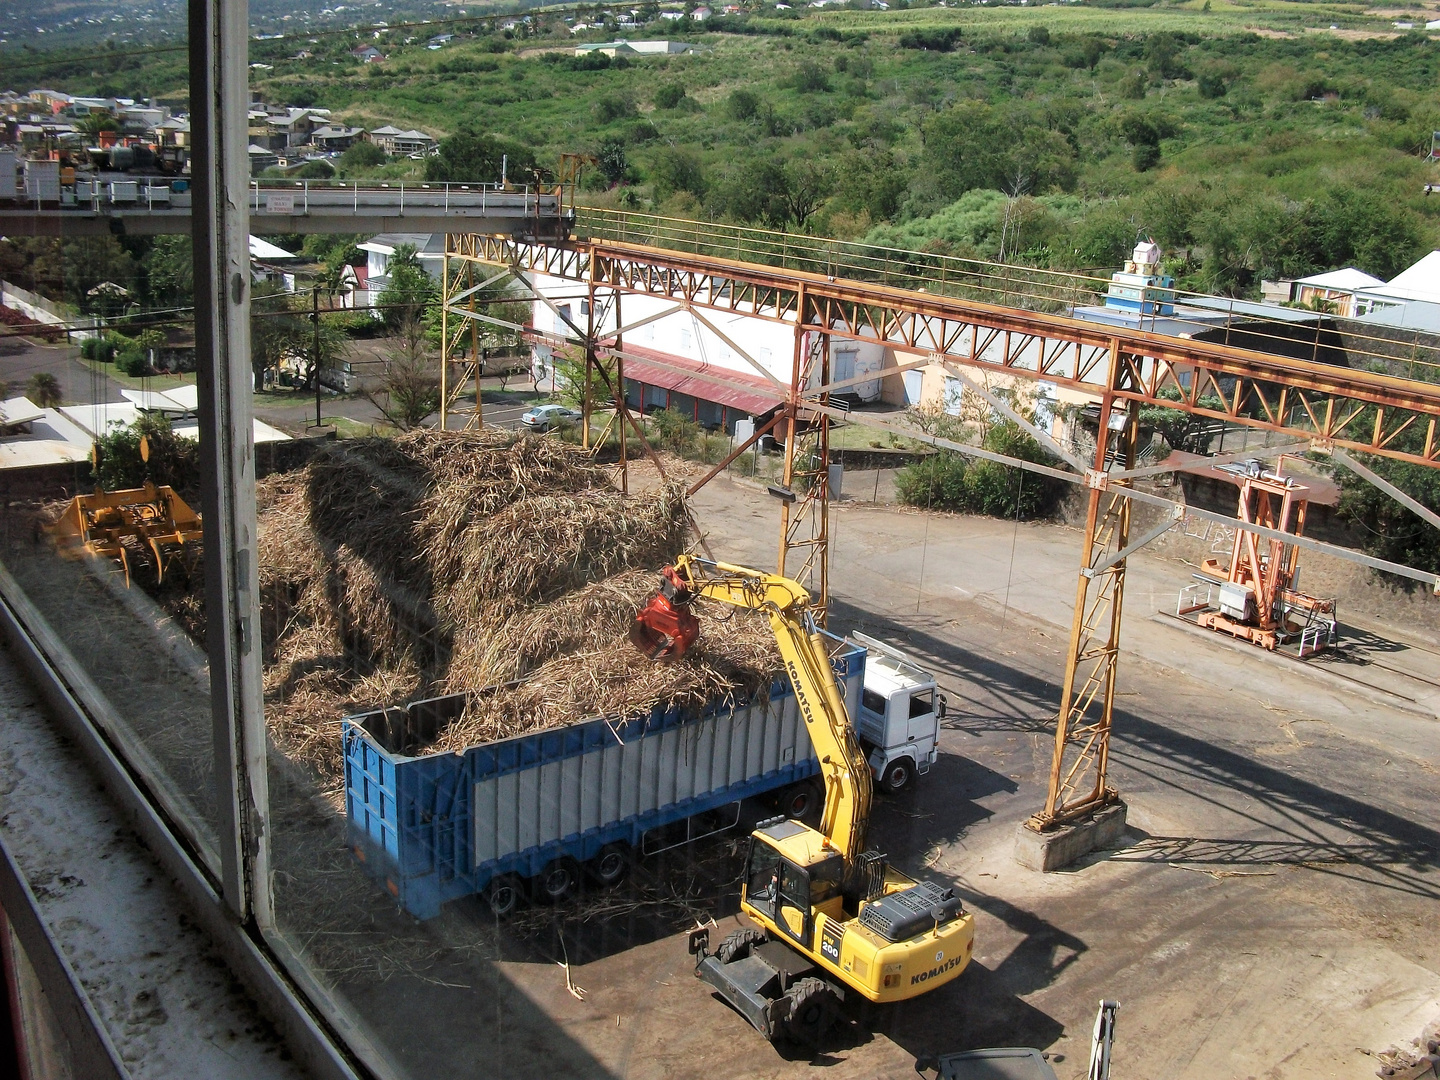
[156, 518]
[831, 916]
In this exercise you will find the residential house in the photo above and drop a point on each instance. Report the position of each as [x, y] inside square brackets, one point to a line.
[291, 128]
[1334, 292]
[430, 247]
[367, 54]
[1410, 299]
[396, 142]
[440, 41]
[336, 138]
[261, 158]
[50, 100]
[173, 132]
[700, 14]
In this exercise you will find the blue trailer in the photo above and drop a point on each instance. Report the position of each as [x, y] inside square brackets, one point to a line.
[533, 812]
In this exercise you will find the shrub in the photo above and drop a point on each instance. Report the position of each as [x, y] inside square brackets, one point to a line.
[669, 96]
[174, 459]
[131, 361]
[742, 104]
[101, 349]
[675, 431]
[931, 40]
[949, 481]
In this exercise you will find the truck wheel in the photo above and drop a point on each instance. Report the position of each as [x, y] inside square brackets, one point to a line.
[898, 776]
[610, 866]
[502, 895]
[738, 944]
[558, 882]
[799, 800]
[813, 1008]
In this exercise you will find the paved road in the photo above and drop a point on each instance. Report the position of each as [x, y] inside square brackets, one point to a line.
[21, 358]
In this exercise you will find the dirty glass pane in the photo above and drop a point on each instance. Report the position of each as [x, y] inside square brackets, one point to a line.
[100, 545]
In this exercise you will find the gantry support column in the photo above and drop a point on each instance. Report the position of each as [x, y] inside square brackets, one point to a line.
[458, 373]
[1078, 785]
[805, 523]
[445, 335]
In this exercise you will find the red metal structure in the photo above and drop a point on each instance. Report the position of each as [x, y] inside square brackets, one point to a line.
[1319, 406]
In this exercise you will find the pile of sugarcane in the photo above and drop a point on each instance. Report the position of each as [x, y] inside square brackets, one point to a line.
[442, 562]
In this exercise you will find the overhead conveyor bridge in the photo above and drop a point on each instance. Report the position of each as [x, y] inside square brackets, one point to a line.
[141, 206]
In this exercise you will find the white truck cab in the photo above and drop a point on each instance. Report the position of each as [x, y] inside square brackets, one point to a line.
[900, 713]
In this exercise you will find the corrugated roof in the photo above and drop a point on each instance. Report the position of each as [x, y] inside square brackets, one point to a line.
[723, 386]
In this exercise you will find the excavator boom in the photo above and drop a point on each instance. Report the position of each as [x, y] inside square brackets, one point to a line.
[665, 628]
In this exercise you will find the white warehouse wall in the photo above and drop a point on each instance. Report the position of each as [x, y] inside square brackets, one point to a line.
[682, 334]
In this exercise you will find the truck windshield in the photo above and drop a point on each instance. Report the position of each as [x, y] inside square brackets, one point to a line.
[922, 703]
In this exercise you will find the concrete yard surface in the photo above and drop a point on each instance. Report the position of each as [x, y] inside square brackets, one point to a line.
[1271, 912]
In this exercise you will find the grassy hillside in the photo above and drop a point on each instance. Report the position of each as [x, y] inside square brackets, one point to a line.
[1251, 140]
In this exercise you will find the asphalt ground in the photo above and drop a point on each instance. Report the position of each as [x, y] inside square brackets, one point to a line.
[1270, 913]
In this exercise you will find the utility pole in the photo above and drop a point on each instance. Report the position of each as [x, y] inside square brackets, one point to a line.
[315, 319]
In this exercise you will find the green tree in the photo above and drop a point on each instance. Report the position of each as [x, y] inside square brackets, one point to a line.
[974, 145]
[1392, 532]
[362, 155]
[669, 96]
[613, 162]
[470, 156]
[88, 261]
[170, 271]
[676, 168]
[314, 170]
[174, 459]
[742, 104]
[809, 78]
[409, 385]
[277, 329]
[409, 290]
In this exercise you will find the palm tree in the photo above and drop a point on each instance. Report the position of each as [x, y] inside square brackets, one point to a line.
[43, 389]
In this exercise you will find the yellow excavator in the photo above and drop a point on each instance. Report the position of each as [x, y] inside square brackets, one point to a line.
[831, 917]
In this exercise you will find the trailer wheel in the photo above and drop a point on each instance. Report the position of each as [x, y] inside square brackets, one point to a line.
[558, 882]
[813, 1008]
[799, 800]
[738, 944]
[503, 895]
[611, 865]
[898, 776]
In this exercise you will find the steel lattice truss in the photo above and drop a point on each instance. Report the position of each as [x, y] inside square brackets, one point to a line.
[1359, 410]
[1328, 406]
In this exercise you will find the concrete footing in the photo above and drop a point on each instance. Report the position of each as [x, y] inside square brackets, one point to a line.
[1059, 847]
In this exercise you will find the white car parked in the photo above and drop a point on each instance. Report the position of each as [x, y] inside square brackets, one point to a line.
[544, 417]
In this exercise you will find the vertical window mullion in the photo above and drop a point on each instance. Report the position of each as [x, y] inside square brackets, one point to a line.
[220, 168]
